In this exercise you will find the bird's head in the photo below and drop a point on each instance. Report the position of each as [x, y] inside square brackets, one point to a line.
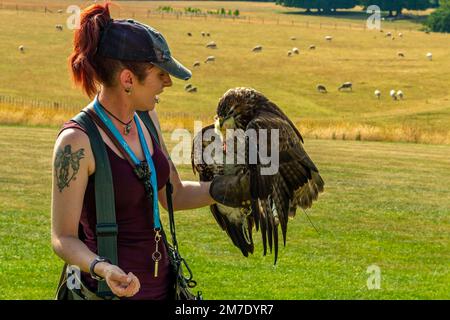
[236, 108]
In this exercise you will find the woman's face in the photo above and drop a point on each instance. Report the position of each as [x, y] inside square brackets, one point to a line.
[145, 94]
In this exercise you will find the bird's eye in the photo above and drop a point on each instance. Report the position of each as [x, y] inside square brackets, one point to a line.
[216, 117]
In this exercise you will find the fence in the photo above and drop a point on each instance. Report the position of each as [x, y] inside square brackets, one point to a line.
[147, 13]
[35, 103]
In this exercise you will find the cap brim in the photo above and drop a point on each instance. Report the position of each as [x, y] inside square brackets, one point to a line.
[175, 68]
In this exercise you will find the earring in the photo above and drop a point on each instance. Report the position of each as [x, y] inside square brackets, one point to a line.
[128, 90]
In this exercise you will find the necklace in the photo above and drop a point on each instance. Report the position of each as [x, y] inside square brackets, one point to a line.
[127, 125]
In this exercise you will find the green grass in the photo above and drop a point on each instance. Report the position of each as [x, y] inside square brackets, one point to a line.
[366, 58]
[385, 204]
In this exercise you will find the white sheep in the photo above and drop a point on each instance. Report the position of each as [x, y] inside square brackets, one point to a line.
[400, 35]
[258, 48]
[393, 94]
[289, 53]
[203, 33]
[295, 50]
[196, 64]
[377, 93]
[211, 45]
[192, 89]
[210, 59]
[389, 34]
[60, 11]
[321, 88]
[346, 85]
[22, 49]
[399, 94]
[312, 47]
[207, 34]
[293, 38]
[430, 56]
[328, 38]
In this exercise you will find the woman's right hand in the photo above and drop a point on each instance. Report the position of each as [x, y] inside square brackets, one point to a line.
[120, 283]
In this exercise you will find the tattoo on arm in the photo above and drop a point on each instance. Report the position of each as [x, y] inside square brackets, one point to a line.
[64, 161]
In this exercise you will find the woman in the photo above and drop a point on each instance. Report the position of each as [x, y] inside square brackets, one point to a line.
[128, 64]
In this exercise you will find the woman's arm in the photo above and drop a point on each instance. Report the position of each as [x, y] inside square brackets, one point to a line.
[73, 161]
[186, 194]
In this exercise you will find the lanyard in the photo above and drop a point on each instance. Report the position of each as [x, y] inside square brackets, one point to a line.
[107, 121]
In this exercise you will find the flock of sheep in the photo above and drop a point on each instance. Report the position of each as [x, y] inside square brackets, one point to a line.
[394, 94]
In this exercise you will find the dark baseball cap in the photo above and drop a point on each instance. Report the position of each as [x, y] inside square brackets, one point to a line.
[129, 40]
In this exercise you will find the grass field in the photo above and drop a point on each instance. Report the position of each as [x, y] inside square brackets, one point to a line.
[385, 204]
[366, 58]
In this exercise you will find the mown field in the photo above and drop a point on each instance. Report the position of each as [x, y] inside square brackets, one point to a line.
[366, 58]
[386, 204]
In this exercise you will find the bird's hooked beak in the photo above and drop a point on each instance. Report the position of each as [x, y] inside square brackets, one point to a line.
[221, 125]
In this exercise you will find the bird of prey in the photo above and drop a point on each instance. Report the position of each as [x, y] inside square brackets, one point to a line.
[273, 197]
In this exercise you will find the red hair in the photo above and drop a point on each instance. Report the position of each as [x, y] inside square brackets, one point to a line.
[87, 67]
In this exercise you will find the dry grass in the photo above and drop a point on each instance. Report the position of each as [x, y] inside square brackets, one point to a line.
[366, 58]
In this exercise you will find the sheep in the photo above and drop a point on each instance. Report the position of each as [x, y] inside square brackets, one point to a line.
[389, 34]
[22, 49]
[60, 11]
[210, 59]
[399, 94]
[377, 94]
[293, 38]
[187, 87]
[196, 64]
[192, 89]
[400, 35]
[346, 85]
[328, 38]
[401, 54]
[295, 50]
[321, 88]
[312, 47]
[430, 56]
[393, 94]
[59, 27]
[207, 34]
[189, 34]
[203, 33]
[289, 53]
[258, 48]
[211, 45]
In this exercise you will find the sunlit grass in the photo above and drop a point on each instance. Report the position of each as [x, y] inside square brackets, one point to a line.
[385, 204]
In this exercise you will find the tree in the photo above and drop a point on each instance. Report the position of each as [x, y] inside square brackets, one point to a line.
[397, 6]
[439, 21]
[320, 5]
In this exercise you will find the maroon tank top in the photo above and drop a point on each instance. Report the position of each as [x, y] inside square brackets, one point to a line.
[134, 216]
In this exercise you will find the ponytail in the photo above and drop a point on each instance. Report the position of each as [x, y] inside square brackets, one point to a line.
[82, 62]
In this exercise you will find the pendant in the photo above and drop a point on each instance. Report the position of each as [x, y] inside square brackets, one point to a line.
[127, 129]
[143, 173]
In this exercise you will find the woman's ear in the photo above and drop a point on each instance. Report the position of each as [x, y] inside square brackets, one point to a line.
[126, 78]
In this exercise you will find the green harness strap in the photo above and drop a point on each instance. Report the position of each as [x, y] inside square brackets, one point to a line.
[106, 228]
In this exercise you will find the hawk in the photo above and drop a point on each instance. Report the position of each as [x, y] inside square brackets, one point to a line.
[272, 197]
